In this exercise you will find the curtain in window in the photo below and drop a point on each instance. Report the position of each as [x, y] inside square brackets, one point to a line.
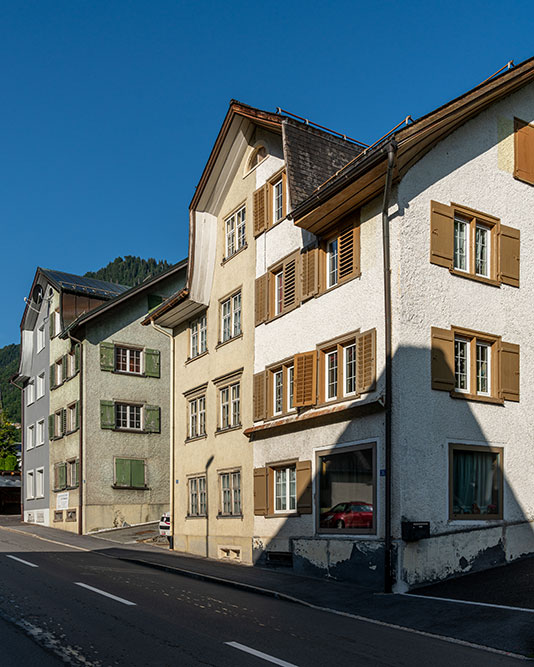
[473, 482]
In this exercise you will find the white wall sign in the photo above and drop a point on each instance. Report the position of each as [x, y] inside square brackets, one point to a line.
[62, 501]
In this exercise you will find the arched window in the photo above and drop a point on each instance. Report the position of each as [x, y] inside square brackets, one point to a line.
[257, 156]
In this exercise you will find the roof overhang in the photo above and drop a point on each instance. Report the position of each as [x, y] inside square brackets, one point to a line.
[364, 178]
[175, 310]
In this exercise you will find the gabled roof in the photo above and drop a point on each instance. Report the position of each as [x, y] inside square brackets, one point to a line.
[130, 293]
[69, 282]
[364, 177]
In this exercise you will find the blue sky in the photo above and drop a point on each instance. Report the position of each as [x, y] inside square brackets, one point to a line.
[110, 108]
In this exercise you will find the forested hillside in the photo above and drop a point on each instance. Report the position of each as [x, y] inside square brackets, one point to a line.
[129, 270]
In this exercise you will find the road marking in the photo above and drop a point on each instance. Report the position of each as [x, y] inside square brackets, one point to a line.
[477, 604]
[108, 595]
[21, 561]
[259, 654]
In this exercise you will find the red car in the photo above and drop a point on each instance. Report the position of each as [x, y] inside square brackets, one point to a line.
[355, 514]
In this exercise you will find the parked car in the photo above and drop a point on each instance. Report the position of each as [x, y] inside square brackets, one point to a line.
[165, 525]
[354, 514]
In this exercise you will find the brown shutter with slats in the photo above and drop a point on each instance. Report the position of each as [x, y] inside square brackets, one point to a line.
[259, 396]
[524, 151]
[260, 491]
[291, 286]
[261, 209]
[442, 363]
[441, 234]
[509, 255]
[261, 299]
[366, 361]
[304, 487]
[309, 273]
[349, 252]
[305, 379]
[509, 371]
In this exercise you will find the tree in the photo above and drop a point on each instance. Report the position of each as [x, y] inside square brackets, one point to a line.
[9, 437]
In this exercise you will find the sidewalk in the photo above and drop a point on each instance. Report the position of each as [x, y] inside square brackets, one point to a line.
[508, 630]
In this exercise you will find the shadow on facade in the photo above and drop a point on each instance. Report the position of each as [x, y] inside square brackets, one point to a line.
[447, 470]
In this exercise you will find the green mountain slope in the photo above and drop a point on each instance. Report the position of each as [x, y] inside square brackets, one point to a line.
[10, 395]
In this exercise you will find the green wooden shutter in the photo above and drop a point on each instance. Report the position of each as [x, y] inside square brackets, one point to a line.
[63, 421]
[77, 415]
[77, 357]
[65, 367]
[152, 419]
[107, 356]
[107, 414]
[62, 470]
[51, 423]
[51, 324]
[152, 363]
[122, 472]
[53, 376]
[138, 472]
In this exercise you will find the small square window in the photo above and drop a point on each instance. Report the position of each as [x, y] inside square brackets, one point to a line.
[128, 360]
[128, 416]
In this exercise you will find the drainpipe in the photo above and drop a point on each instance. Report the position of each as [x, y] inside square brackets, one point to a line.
[171, 429]
[391, 151]
[81, 485]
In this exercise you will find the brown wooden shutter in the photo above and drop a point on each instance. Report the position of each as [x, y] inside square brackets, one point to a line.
[291, 286]
[261, 209]
[509, 370]
[509, 255]
[366, 361]
[309, 273]
[524, 151]
[305, 380]
[349, 252]
[441, 234]
[304, 487]
[261, 299]
[442, 359]
[259, 397]
[260, 491]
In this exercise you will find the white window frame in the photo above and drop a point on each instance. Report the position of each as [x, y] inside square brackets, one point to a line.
[30, 392]
[487, 346]
[327, 357]
[30, 484]
[194, 485]
[278, 391]
[39, 483]
[30, 437]
[71, 418]
[72, 465]
[231, 319]
[459, 220]
[290, 398]
[287, 496]
[40, 385]
[230, 406]
[487, 233]
[58, 423]
[58, 372]
[40, 432]
[129, 351]
[332, 263]
[346, 375]
[198, 343]
[278, 292]
[232, 491]
[467, 343]
[278, 200]
[40, 338]
[235, 232]
[197, 417]
[130, 416]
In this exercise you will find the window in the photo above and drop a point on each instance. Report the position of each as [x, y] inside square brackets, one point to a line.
[342, 253]
[72, 473]
[258, 155]
[39, 483]
[30, 489]
[40, 385]
[30, 437]
[472, 379]
[524, 151]
[198, 336]
[474, 244]
[55, 323]
[231, 317]
[476, 482]
[40, 338]
[58, 372]
[197, 496]
[128, 360]
[130, 473]
[281, 389]
[346, 498]
[270, 203]
[128, 416]
[197, 417]
[285, 485]
[283, 288]
[331, 263]
[235, 232]
[59, 423]
[230, 416]
[40, 432]
[279, 200]
[71, 364]
[230, 485]
[60, 476]
[72, 417]
[30, 392]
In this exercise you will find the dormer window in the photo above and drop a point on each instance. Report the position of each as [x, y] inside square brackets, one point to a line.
[257, 156]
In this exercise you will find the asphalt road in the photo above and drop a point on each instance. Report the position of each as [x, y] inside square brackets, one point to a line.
[92, 610]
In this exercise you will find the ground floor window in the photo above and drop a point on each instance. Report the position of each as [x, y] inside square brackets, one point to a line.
[197, 496]
[130, 473]
[230, 484]
[285, 489]
[347, 490]
[476, 481]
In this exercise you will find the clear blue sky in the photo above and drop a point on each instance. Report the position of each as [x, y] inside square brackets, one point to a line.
[110, 107]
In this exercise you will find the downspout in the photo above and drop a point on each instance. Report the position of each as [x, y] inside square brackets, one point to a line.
[22, 481]
[391, 151]
[81, 485]
[171, 430]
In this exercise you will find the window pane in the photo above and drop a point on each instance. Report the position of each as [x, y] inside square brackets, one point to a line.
[292, 491]
[350, 369]
[476, 482]
[461, 240]
[224, 407]
[203, 336]
[241, 228]
[226, 319]
[121, 359]
[236, 416]
[331, 375]
[135, 361]
[290, 375]
[483, 366]
[278, 200]
[236, 488]
[194, 339]
[202, 495]
[346, 490]
[278, 392]
[331, 278]
[461, 364]
[278, 292]
[230, 236]
[281, 489]
[482, 239]
[236, 302]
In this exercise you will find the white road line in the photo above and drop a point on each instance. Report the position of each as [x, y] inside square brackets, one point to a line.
[108, 595]
[477, 604]
[259, 654]
[21, 561]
